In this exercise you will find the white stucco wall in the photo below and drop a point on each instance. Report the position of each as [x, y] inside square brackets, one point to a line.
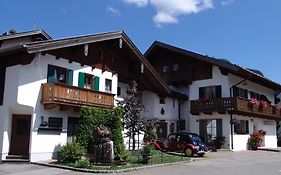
[23, 94]
[239, 141]
[251, 86]
[153, 107]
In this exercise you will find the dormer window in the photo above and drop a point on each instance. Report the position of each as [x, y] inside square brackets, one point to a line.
[165, 69]
[176, 67]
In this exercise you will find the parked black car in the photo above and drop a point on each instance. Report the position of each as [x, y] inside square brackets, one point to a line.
[188, 143]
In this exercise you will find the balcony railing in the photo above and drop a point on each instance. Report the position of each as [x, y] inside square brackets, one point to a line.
[54, 94]
[235, 105]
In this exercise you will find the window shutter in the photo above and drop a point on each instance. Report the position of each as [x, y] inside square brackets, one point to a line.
[218, 91]
[81, 80]
[96, 83]
[235, 92]
[247, 127]
[201, 92]
[219, 127]
[51, 74]
[202, 129]
[246, 93]
[70, 77]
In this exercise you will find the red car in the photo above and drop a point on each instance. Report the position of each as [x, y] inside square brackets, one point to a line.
[187, 143]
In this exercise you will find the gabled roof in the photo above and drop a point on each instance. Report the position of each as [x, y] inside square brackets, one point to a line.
[24, 34]
[238, 70]
[48, 45]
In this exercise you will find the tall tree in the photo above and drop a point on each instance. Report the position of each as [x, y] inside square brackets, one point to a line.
[132, 108]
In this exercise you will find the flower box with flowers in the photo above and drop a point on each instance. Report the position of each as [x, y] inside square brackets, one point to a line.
[253, 104]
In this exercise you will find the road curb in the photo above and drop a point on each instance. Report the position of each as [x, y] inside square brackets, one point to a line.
[109, 171]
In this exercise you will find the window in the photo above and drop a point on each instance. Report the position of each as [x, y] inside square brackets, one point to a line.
[242, 127]
[239, 92]
[108, 85]
[88, 81]
[162, 100]
[255, 95]
[165, 69]
[59, 75]
[210, 129]
[210, 92]
[176, 67]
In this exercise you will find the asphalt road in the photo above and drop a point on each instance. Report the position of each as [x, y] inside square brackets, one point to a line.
[220, 163]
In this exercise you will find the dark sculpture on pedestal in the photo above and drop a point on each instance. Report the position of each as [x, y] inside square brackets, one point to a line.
[102, 145]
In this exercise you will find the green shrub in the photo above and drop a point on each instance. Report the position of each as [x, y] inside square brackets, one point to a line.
[149, 136]
[91, 117]
[126, 155]
[82, 164]
[71, 152]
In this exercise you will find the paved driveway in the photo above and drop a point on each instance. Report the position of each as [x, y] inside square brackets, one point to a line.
[220, 163]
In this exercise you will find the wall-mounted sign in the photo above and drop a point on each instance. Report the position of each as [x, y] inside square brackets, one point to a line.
[55, 122]
[268, 122]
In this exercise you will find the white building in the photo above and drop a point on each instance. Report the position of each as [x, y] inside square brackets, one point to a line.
[219, 93]
[44, 83]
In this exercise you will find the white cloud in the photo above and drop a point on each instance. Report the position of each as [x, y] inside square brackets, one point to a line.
[168, 11]
[139, 3]
[227, 2]
[112, 10]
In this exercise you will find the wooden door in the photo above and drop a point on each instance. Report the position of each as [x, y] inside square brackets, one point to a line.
[20, 136]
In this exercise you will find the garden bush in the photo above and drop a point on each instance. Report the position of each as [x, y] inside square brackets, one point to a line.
[91, 117]
[71, 152]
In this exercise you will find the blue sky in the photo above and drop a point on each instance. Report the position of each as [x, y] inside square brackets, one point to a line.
[247, 32]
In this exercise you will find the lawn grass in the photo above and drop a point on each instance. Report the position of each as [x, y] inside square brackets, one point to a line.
[135, 160]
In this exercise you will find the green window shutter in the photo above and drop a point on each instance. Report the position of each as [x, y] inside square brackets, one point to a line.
[201, 92]
[218, 91]
[81, 80]
[235, 92]
[247, 127]
[202, 129]
[96, 83]
[70, 77]
[219, 127]
[51, 73]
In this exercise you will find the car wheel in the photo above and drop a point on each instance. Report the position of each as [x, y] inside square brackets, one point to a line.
[188, 152]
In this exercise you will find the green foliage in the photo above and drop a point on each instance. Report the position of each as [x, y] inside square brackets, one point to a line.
[132, 109]
[147, 149]
[82, 164]
[149, 135]
[91, 117]
[71, 152]
[126, 155]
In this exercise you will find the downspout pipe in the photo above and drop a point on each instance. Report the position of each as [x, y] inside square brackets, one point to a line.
[231, 116]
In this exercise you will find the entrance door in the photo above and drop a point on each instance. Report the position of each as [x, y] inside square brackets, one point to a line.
[161, 130]
[20, 135]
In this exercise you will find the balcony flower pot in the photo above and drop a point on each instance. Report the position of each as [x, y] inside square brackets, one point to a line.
[255, 139]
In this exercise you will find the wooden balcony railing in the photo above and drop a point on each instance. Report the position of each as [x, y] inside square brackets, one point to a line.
[55, 94]
[235, 105]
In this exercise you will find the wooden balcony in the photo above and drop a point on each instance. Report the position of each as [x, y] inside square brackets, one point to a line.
[65, 97]
[236, 105]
